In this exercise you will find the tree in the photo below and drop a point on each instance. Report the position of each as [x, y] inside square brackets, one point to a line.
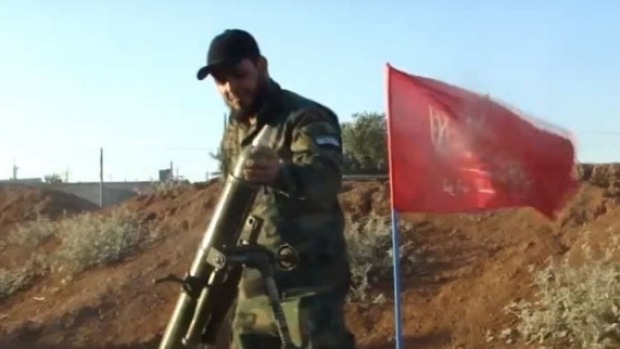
[52, 178]
[365, 144]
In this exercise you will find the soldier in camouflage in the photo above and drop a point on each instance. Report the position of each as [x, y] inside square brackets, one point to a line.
[301, 175]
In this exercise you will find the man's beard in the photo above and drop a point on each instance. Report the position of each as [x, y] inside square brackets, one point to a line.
[246, 112]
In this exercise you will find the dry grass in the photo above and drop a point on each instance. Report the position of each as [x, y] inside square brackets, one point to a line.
[77, 243]
[168, 186]
[370, 252]
[31, 233]
[90, 240]
[14, 280]
[575, 305]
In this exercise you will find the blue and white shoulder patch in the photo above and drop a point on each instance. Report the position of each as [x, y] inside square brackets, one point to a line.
[327, 140]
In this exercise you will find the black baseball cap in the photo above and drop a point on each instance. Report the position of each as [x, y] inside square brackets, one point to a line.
[228, 49]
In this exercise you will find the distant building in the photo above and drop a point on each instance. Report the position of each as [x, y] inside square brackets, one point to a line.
[166, 175]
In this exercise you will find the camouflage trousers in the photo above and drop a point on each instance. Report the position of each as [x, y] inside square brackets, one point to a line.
[315, 320]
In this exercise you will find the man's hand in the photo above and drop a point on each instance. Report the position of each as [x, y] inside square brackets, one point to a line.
[262, 166]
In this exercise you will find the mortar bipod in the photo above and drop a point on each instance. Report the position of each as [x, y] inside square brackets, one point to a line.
[263, 260]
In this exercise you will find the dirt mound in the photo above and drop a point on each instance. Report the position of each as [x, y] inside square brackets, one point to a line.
[466, 269]
[20, 203]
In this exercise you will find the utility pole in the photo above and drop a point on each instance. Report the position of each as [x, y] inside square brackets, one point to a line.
[15, 168]
[100, 177]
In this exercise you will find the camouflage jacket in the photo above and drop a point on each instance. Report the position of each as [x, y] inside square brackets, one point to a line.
[302, 208]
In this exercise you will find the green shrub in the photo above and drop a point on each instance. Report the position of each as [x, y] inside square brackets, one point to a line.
[369, 243]
[14, 280]
[32, 233]
[579, 305]
[85, 241]
[89, 240]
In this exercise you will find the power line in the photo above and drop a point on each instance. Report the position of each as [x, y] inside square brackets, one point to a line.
[609, 133]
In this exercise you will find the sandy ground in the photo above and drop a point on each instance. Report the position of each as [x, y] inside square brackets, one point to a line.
[471, 267]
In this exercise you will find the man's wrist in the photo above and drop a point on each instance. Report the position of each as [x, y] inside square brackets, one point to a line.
[282, 181]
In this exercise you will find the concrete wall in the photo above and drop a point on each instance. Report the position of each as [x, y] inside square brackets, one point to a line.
[113, 192]
[116, 192]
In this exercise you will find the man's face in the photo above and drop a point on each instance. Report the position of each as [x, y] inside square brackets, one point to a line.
[240, 85]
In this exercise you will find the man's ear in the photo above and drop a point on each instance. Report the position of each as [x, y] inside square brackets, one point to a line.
[263, 64]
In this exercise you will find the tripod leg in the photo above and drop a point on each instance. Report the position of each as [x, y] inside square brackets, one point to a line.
[276, 306]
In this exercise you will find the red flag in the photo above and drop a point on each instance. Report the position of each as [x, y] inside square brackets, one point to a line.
[452, 150]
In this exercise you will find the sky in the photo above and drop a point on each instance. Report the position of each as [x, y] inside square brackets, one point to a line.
[77, 76]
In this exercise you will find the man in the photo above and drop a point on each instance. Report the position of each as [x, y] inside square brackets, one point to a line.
[301, 174]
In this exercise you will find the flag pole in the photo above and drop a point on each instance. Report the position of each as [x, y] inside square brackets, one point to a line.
[397, 284]
[395, 228]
